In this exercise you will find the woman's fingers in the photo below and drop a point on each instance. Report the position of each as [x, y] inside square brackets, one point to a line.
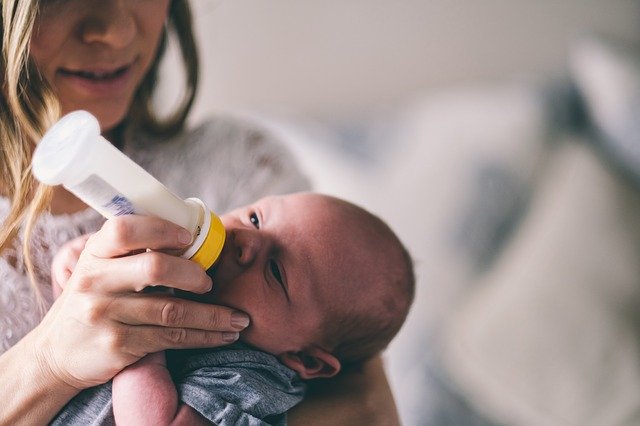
[171, 312]
[130, 233]
[143, 339]
[135, 272]
[114, 259]
[88, 338]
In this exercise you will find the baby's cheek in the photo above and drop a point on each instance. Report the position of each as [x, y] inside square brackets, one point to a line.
[252, 337]
[267, 338]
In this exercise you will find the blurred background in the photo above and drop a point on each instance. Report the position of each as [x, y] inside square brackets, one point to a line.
[343, 58]
[501, 139]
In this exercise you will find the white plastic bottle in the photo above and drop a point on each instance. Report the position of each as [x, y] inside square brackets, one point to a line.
[74, 154]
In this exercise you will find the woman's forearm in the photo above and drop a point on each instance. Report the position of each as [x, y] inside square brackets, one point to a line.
[29, 391]
[360, 396]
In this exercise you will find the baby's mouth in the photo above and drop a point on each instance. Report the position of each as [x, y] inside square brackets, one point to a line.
[213, 269]
[96, 76]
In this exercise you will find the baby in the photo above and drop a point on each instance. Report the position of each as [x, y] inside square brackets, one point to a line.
[325, 283]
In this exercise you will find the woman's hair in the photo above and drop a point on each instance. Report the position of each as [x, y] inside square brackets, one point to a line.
[28, 106]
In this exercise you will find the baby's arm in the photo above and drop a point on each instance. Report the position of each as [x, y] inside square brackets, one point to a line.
[144, 394]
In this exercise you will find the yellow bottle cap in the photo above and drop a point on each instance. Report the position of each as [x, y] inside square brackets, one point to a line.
[212, 245]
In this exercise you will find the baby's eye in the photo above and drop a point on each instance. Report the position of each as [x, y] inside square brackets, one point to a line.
[275, 270]
[254, 220]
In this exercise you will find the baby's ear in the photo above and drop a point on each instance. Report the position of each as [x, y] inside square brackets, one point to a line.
[311, 363]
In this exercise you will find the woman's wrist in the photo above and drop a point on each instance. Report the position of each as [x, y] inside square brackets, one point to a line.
[30, 391]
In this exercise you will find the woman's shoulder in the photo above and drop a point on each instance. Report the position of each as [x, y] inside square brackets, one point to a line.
[240, 135]
[231, 159]
[212, 137]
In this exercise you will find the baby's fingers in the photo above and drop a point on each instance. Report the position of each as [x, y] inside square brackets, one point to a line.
[66, 259]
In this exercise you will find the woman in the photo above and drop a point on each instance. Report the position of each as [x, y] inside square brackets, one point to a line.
[102, 56]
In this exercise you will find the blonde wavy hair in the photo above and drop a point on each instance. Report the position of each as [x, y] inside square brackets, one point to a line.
[28, 106]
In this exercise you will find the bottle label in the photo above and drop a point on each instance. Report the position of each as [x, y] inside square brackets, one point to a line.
[104, 198]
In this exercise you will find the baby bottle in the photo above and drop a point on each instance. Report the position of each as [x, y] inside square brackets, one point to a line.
[74, 154]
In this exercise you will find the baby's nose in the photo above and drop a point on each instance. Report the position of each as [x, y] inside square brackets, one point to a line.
[246, 246]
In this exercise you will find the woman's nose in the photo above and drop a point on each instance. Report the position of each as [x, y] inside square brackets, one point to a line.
[111, 22]
[247, 245]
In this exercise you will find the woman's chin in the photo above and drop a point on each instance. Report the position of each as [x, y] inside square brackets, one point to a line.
[109, 117]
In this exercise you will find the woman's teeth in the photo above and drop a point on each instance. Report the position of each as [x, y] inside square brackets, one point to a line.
[96, 75]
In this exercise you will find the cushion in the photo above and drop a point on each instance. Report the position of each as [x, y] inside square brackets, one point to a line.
[607, 76]
[551, 334]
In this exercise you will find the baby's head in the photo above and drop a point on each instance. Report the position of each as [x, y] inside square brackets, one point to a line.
[324, 282]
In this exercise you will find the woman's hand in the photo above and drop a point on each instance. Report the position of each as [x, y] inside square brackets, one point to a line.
[102, 322]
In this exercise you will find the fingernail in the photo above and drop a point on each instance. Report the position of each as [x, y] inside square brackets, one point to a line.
[184, 237]
[230, 337]
[239, 320]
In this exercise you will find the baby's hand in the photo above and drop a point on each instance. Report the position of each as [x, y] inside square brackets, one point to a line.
[64, 262]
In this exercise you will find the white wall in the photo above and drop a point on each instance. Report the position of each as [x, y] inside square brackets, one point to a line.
[338, 57]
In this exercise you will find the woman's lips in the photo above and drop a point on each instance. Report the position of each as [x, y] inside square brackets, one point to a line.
[98, 82]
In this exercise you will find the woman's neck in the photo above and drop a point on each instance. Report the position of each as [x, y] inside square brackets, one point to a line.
[115, 136]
